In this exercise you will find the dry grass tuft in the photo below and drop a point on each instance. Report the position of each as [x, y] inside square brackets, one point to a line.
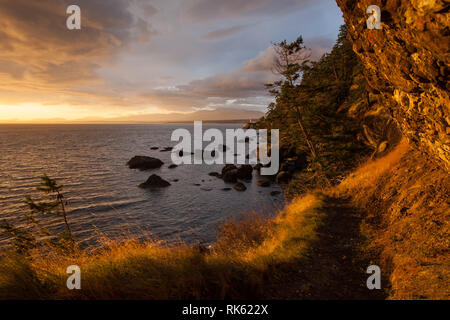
[236, 267]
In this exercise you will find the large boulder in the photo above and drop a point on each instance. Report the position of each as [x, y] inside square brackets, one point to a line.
[228, 167]
[245, 171]
[144, 163]
[230, 176]
[154, 181]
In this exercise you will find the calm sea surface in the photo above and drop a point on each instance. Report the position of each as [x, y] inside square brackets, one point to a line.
[89, 160]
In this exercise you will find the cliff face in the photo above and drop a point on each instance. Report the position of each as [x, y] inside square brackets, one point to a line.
[407, 64]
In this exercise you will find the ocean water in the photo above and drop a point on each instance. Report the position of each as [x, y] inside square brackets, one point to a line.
[104, 200]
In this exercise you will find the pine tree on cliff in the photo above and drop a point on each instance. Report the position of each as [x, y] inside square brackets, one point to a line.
[290, 61]
[309, 101]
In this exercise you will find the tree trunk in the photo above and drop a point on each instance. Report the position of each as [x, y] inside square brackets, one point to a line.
[61, 201]
[310, 145]
[306, 135]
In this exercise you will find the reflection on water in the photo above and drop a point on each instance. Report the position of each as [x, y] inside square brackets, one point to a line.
[89, 160]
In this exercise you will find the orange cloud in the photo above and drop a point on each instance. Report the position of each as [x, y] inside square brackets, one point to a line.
[41, 58]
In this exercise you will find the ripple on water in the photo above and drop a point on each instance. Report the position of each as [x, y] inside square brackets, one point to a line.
[89, 160]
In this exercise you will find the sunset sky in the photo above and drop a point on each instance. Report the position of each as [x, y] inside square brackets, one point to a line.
[148, 56]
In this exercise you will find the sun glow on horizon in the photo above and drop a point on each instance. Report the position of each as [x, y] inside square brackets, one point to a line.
[37, 113]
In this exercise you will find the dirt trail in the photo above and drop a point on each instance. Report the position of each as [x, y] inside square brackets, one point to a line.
[335, 267]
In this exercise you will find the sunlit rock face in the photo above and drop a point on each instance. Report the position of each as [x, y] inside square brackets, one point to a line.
[407, 63]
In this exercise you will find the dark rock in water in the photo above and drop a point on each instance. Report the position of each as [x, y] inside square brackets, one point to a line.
[230, 176]
[275, 193]
[214, 174]
[228, 167]
[154, 181]
[239, 187]
[144, 163]
[245, 171]
[283, 177]
[197, 184]
[175, 180]
[264, 183]
[226, 189]
[154, 148]
[257, 166]
[181, 153]
[172, 166]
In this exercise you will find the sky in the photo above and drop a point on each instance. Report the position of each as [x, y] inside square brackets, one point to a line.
[136, 58]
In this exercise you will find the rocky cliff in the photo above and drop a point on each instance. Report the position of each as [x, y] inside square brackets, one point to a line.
[407, 65]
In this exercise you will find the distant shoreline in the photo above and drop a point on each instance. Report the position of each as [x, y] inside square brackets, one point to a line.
[237, 121]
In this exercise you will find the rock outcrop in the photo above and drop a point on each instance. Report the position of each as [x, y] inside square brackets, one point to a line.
[154, 181]
[245, 171]
[144, 163]
[230, 176]
[407, 65]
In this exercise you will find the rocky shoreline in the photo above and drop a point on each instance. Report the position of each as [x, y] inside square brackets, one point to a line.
[230, 173]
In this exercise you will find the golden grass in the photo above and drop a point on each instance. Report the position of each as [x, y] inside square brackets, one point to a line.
[359, 183]
[406, 219]
[234, 268]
